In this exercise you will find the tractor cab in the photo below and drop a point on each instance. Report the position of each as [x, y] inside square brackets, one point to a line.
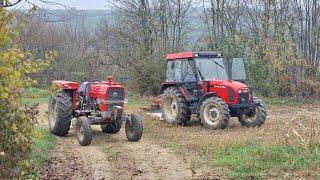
[206, 72]
[195, 80]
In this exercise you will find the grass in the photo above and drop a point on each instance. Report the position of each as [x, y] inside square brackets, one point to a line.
[242, 153]
[43, 142]
[287, 101]
[35, 95]
[136, 103]
[256, 160]
[245, 153]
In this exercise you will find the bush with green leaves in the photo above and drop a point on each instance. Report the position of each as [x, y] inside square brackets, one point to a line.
[16, 121]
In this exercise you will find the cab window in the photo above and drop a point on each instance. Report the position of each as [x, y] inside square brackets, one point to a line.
[180, 71]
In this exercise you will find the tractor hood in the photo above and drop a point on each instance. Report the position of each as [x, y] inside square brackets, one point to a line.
[230, 91]
[235, 85]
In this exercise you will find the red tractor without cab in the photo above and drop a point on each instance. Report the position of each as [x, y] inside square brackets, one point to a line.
[198, 83]
[93, 103]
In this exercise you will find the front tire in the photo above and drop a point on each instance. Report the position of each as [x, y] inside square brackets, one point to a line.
[60, 113]
[214, 113]
[257, 117]
[135, 129]
[83, 131]
[174, 107]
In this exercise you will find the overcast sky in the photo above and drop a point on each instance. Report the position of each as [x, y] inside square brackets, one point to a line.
[78, 4]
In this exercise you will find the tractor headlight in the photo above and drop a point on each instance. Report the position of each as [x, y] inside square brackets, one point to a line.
[125, 101]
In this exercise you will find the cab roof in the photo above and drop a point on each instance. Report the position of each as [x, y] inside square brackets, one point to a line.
[188, 55]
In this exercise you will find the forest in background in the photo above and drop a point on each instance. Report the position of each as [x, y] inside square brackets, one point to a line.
[278, 39]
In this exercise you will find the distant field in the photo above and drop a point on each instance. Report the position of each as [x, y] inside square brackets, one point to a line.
[35, 95]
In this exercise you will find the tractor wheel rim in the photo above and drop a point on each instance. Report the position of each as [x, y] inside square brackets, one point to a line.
[212, 113]
[81, 133]
[174, 107]
[53, 114]
[170, 107]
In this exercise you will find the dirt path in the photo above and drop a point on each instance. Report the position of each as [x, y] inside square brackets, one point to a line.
[111, 157]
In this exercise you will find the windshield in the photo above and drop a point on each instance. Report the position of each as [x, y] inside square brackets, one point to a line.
[211, 68]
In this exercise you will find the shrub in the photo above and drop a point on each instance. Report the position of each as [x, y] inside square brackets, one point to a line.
[16, 122]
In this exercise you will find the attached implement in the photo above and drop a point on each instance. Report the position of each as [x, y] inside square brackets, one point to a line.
[93, 103]
[203, 84]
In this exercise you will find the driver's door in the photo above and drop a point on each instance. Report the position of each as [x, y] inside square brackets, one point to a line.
[189, 80]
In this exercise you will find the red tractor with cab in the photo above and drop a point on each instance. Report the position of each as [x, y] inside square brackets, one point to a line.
[93, 103]
[200, 84]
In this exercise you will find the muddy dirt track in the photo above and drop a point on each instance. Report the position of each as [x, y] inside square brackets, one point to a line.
[171, 152]
[112, 157]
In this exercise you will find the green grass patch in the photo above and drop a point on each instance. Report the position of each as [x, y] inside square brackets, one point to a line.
[43, 142]
[175, 147]
[137, 102]
[35, 95]
[287, 100]
[254, 160]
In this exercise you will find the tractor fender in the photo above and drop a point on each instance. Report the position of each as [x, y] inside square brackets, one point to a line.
[164, 86]
[68, 87]
[181, 88]
[204, 97]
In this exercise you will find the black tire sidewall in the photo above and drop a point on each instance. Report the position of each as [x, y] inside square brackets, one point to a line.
[224, 112]
[64, 113]
[134, 133]
[183, 112]
[260, 119]
[83, 121]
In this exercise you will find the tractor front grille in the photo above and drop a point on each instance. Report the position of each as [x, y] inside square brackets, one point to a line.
[243, 98]
[230, 94]
[115, 97]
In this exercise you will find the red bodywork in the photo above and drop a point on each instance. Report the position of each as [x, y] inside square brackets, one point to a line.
[69, 86]
[66, 84]
[97, 91]
[221, 89]
[100, 90]
[218, 87]
[183, 55]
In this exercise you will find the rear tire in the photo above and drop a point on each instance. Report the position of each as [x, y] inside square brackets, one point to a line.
[83, 131]
[257, 118]
[214, 113]
[134, 131]
[60, 113]
[174, 107]
[112, 127]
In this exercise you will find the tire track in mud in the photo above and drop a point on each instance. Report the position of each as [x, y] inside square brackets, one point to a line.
[144, 160]
[69, 160]
[111, 156]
